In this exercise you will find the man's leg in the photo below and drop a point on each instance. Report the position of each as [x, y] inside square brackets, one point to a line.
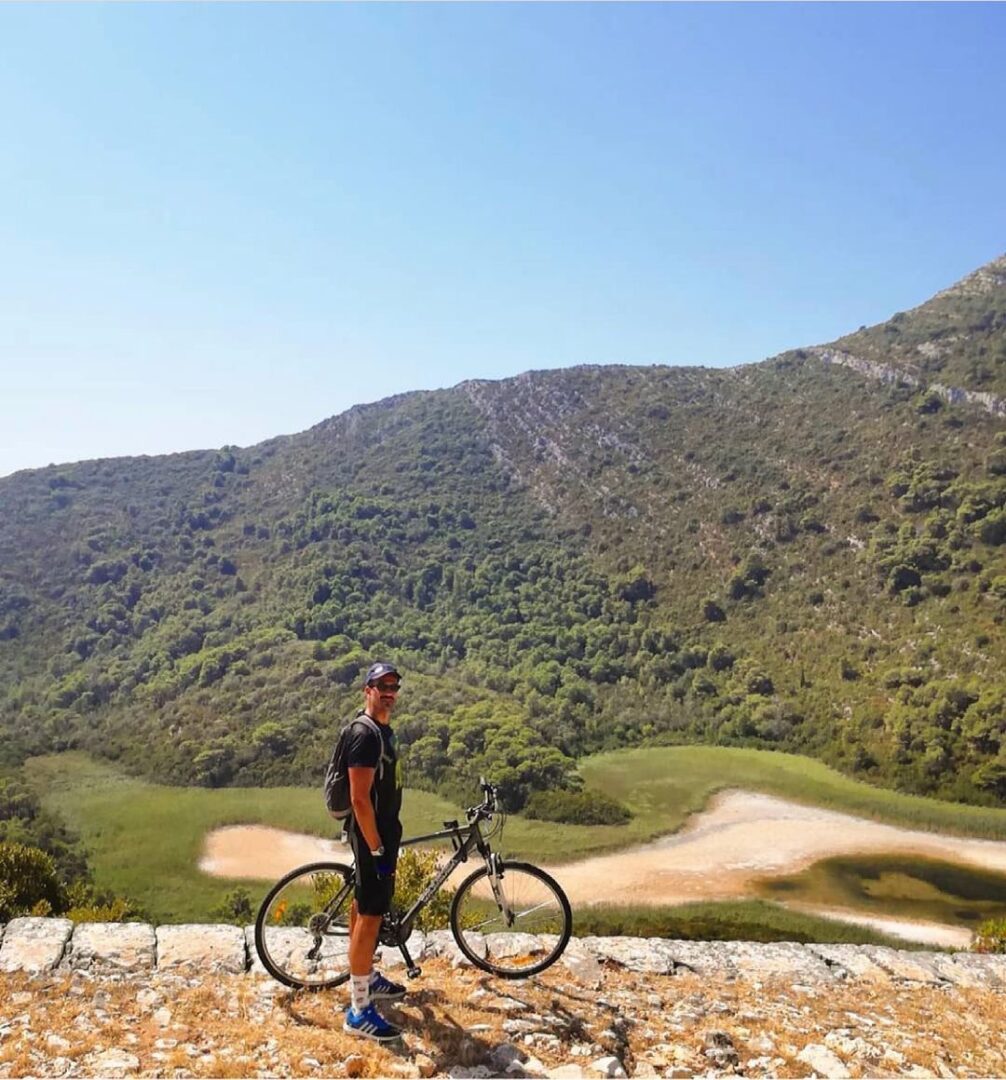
[362, 943]
[362, 1018]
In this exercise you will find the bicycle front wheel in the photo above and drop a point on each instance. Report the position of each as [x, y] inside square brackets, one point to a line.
[513, 925]
[302, 928]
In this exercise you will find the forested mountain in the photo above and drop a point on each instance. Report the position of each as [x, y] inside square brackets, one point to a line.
[806, 553]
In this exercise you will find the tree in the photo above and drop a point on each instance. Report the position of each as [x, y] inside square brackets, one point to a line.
[712, 611]
[28, 883]
[992, 776]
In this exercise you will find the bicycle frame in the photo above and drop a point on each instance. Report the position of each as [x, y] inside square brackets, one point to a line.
[466, 839]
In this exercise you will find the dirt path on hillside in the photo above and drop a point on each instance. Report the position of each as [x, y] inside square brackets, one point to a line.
[716, 855]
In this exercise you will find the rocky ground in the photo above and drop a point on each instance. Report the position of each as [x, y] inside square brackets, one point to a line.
[618, 1007]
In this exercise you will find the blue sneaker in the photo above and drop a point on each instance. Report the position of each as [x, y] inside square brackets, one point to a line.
[370, 1024]
[382, 989]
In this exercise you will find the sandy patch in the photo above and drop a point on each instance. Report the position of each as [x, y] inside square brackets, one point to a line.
[262, 853]
[742, 836]
[716, 855]
[927, 933]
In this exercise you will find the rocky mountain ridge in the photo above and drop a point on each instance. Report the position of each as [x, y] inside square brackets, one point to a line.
[806, 554]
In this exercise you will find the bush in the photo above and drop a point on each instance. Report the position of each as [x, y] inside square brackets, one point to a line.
[990, 937]
[576, 808]
[415, 870]
[712, 611]
[28, 883]
[236, 908]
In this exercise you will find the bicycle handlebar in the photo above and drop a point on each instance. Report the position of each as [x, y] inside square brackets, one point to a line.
[489, 804]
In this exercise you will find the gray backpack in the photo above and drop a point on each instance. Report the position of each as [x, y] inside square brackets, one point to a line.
[337, 774]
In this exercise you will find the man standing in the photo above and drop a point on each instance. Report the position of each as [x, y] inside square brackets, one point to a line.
[375, 831]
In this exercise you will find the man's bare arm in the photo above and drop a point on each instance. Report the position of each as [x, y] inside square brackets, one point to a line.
[361, 780]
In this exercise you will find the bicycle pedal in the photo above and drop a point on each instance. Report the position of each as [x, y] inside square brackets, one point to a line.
[414, 972]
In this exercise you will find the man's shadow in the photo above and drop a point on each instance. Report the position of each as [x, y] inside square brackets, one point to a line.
[428, 1014]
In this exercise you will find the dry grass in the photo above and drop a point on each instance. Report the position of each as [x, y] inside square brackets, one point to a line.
[241, 1026]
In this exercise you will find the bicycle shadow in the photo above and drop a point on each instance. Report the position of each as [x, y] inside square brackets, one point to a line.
[430, 1015]
[427, 1014]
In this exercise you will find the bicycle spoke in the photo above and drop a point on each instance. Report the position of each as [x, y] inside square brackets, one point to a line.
[525, 933]
[302, 929]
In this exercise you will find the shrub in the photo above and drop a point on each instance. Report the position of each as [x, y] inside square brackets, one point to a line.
[712, 611]
[576, 808]
[720, 658]
[992, 530]
[28, 883]
[903, 577]
[990, 937]
[414, 872]
[235, 908]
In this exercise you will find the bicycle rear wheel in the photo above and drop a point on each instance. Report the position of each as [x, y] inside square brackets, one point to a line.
[302, 928]
[515, 929]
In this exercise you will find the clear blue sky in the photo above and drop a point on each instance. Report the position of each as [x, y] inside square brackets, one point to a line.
[224, 223]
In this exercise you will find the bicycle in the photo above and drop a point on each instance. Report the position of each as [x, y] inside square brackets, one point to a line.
[508, 917]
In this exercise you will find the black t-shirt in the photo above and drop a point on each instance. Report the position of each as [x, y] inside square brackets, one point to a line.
[363, 751]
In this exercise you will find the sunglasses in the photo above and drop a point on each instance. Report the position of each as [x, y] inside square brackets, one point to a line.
[386, 688]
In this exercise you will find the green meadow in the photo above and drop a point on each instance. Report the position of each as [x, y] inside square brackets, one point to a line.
[144, 840]
[663, 785]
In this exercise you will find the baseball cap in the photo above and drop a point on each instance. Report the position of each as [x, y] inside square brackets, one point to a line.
[378, 671]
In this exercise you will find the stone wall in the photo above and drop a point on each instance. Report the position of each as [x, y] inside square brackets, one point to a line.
[44, 946]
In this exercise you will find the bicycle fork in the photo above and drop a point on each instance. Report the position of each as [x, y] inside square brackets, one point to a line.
[495, 877]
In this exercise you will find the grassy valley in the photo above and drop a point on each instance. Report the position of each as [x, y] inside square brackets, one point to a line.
[144, 840]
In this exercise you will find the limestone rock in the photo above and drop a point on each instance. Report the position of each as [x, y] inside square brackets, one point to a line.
[608, 1066]
[972, 969]
[913, 966]
[442, 943]
[149, 999]
[34, 945]
[700, 956]
[850, 961]
[582, 964]
[532, 1067]
[632, 953]
[776, 958]
[503, 1056]
[203, 948]
[823, 1061]
[111, 947]
[112, 1063]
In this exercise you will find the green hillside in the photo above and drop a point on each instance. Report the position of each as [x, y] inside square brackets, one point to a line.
[798, 554]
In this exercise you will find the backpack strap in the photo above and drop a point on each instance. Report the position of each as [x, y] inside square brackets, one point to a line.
[372, 725]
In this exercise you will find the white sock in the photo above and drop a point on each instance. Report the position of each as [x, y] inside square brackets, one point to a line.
[359, 989]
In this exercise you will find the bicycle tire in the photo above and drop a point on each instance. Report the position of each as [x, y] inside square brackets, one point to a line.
[302, 926]
[538, 934]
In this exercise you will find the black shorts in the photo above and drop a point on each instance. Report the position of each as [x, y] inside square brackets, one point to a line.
[373, 894]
